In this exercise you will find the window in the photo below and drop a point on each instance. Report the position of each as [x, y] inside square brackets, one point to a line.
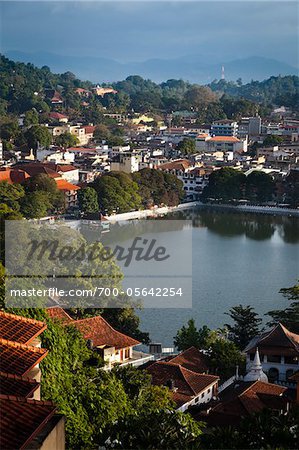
[274, 358]
[273, 374]
[196, 400]
[209, 390]
[291, 360]
[202, 395]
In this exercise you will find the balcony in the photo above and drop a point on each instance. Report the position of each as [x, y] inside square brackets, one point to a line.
[138, 359]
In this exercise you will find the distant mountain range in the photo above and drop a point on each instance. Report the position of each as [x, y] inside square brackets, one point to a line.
[196, 69]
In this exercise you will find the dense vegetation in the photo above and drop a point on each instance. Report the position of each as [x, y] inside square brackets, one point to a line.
[22, 88]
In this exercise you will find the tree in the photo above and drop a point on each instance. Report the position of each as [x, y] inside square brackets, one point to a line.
[259, 186]
[160, 429]
[66, 140]
[11, 194]
[88, 200]
[31, 118]
[198, 97]
[117, 192]
[43, 183]
[35, 205]
[224, 356]
[246, 325]
[189, 336]
[187, 146]
[272, 140]
[101, 133]
[289, 317]
[38, 135]
[225, 184]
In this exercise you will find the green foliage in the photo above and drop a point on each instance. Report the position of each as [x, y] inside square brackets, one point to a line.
[10, 195]
[43, 183]
[246, 325]
[66, 140]
[289, 317]
[35, 205]
[88, 200]
[117, 192]
[161, 429]
[225, 184]
[187, 146]
[265, 430]
[157, 187]
[224, 356]
[31, 118]
[38, 135]
[272, 140]
[127, 321]
[259, 186]
[189, 336]
[229, 184]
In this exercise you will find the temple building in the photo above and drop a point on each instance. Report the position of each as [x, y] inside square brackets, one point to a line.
[279, 353]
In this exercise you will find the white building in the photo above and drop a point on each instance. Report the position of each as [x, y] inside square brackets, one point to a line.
[279, 353]
[224, 128]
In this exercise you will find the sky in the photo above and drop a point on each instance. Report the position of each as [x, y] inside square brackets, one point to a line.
[141, 30]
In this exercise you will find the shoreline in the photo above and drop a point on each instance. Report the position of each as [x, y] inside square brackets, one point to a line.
[143, 214]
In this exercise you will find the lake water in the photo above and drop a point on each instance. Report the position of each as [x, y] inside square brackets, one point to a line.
[237, 259]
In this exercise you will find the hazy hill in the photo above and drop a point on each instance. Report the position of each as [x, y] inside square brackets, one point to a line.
[196, 69]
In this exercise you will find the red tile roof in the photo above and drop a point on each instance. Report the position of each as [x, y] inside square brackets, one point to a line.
[64, 185]
[57, 115]
[13, 176]
[187, 383]
[224, 139]
[22, 420]
[101, 333]
[191, 359]
[20, 329]
[279, 339]
[15, 385]
[19, 359]
[179, 164]
[89, 129]
[242, 399]
[95, 328]
[56, 312]
[37, 168]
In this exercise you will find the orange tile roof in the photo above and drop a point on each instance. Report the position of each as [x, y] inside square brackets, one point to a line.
[101, 333]
[64, 185]
[20, 329]
[242, 399]
[224, 139]
[19, 359]
[16, 385]
[179, 164]
[13, 176]
[192, 359]
[186, 382]
[55, 312]
[95, 328]
[22, 420]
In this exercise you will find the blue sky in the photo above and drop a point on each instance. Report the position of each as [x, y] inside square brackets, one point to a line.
[139, 30]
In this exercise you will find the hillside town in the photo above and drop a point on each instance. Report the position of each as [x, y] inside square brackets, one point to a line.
[90, 378]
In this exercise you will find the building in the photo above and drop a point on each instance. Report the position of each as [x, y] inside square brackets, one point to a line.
[224, 128]
[26, 422]
[279, 353]
[185, 375]
[53, 96]
[58, 117]
[101, 91]
[226, 144]
[83, 133]
[70, 192]
[249, 126]
[127, 162]
[114, 347]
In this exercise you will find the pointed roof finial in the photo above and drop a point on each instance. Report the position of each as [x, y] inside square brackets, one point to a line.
[256, 371]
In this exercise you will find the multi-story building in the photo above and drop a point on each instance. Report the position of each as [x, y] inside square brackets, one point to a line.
[127, 162]
[279, 353]
[249, 126]
[224, 128]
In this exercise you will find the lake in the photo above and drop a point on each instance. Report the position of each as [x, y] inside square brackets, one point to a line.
[237, 259]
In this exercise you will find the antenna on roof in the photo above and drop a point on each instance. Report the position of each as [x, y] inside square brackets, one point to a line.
[222, 73]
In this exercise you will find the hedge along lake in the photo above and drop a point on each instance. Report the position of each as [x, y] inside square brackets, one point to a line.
[237, 258]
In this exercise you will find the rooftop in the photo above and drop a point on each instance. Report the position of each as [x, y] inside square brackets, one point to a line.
[21, 420]
[16, 385]
[278, 338]
[19, 359]
[20, 329]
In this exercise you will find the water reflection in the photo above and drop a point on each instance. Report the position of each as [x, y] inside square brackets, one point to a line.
[253, 226]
